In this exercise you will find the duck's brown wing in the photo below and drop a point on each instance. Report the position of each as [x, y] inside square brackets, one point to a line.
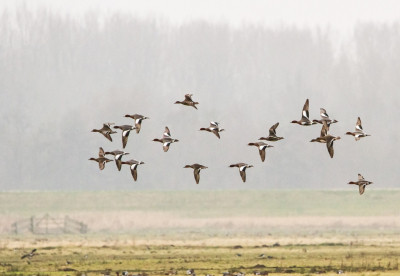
[305, 112]
[216, 133]
[188, 97]
[324, 129]
[118, 163]
[134, 173]
[323, 113]
[243, 175]
[166, 146]
[358, 125]
[102, 164]
[138, 125]
[272, 130]
[106, 127]
[125, 135]
[360, 177]
[167, 133]
[329, 145]
[107, 135]
[197, 175]
[262, 154]
[361, 188]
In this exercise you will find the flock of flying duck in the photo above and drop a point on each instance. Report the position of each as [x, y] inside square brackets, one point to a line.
[167, 140]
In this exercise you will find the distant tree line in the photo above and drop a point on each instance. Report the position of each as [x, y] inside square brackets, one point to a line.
[59, 76]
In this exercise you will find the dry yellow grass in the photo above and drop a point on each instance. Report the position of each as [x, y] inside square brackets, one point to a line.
[361, 254]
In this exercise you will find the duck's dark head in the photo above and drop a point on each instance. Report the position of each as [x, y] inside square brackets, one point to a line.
[92, 159]
[178, 102]
[187, 166]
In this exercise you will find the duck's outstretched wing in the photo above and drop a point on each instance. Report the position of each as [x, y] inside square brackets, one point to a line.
[305, 113]
[188, 97]
[362, 188]
[167, 133]
[358, 125]
[196, 173]
[272, 130]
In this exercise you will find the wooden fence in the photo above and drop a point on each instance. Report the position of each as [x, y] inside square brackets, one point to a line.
[49, 225]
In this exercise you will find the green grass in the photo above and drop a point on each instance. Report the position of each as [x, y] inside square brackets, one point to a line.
[158, 260]
[209, 204]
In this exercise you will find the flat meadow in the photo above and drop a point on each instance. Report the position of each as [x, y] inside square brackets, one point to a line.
[296, 232]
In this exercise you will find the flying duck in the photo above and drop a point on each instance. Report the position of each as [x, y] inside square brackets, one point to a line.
[362, 183]
[166, 140]
[324, 132]
[305, 116]
[188, 101]
[138, 120]
[325, 117]
[133, 163]
[329, 143]
[213, 128]
[197, 168]
[106, 130]
[272, 134]
[261, 148]
[242, 169]
[30, 255]
[359, 133]
[126, 129]
[102, 160]
[117, 156]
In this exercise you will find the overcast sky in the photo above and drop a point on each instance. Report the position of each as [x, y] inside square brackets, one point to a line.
[340, 15]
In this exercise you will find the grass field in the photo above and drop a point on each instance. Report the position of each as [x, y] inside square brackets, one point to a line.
[154, 232]
[121, 255]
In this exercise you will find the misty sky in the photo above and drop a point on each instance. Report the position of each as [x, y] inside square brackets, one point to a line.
[61, 76]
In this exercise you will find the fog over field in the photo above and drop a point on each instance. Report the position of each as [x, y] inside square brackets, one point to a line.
[62, 76]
